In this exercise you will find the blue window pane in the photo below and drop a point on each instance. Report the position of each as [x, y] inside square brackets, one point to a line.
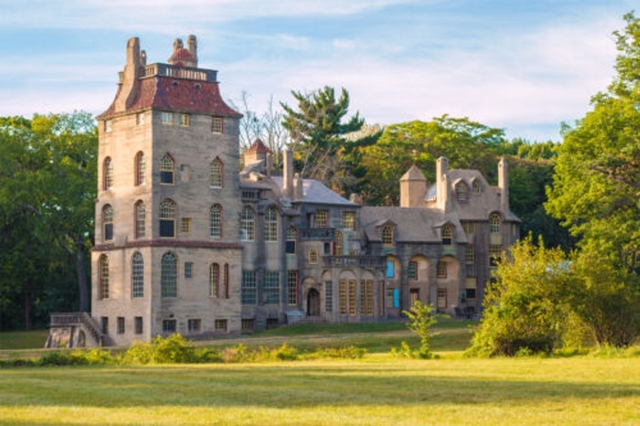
[390, 271]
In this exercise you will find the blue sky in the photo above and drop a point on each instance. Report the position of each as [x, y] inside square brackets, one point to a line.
[524, 66]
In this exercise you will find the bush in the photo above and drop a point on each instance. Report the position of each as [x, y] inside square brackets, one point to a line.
[173, 349]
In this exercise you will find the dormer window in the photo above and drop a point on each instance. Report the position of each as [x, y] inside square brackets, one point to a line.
[447, 235]
[388, 235]
[494, 222]
[462, 192]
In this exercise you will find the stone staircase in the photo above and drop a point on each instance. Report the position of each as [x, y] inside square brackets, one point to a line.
[75, 330]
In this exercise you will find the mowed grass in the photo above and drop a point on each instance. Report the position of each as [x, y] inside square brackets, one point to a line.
[377, 390]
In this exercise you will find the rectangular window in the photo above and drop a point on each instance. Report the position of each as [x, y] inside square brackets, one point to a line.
[108, 126]
[390, 269]
[352, 297]
[469, 228]
[220, 325]
[217, 125]
[247, 324]
[193, 325]
[366, 297]
[389, 297]
[414, 296]
[272, 287]
[441, 269]
[412, 270]
[495, 254]
[140, 118]
[248, 289]
[442, 298]
[470, 254]
[188, 269]
[349, 220]
[120, 325]
[166, 118]
[169, 326]
[471, 293]
[321, 218]
[185, 225]
[104, 322]
[328, 296]
[292, 287]
[138, 325]
[342, 294]
[167, 228]
[185, 120]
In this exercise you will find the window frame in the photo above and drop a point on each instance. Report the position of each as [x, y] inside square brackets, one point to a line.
[271, 224]
[248, 224]
[137, 275]
[107, 174]
[168, 214]
[216, 173]
[167, 170]
[140, 219]
[107, 222]
[388, 235]
[169, 275]
[216, 215]
[139, 166]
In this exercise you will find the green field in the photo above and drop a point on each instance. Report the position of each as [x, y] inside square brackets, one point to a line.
[377, 390]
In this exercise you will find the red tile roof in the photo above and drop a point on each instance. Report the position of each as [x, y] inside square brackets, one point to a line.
[176, 94]
[181, 55]
[259, 147]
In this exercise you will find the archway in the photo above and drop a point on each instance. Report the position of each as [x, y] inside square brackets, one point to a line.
[313, 303]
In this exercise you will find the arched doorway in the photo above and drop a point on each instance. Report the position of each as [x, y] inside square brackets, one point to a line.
[313, 303]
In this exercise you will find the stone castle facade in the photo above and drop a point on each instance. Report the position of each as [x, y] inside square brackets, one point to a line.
[185, 243]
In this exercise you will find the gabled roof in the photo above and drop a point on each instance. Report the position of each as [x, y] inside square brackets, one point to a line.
[413, 173]
[414, 224]
[316, 192]
[259, 147]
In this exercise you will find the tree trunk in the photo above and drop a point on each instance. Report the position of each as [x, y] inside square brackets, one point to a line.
[28, 302]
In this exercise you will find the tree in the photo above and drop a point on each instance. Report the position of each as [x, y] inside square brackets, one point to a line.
[527, 307]
[318, 136]
[597, 175]
[48, 171]
[421, 319]
[467, 144]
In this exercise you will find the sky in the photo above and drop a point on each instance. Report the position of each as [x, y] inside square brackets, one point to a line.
[524, 66]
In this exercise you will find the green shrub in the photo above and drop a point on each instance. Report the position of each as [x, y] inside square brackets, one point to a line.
[286, 353]
[173, 349]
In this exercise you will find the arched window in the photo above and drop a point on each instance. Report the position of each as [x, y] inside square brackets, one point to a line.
[107, 174]
[292, 236]
[462, 192]
[338, 246]
[139, 168]
[167, 218]
[140, 219]
[107, 223]
[494, 221]
[214, 280]
[215, 221]
[137, 275]
[271, 224]
[313, 256]
[247, 224]
[167, 170]
[225, 281]
[447, 235]
[216, 174]
[169, 275]
[387, 235]
[103, 277]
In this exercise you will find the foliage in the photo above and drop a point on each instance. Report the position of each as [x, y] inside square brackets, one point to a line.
[48, 171]
[319, 137]
[173, 349]
[606, 300]
[467, 144]
[421, 320]
[526, 308]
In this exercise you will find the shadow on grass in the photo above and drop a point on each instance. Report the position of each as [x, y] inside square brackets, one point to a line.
[293, 386]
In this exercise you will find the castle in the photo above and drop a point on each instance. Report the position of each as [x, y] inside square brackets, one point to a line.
[185, 243]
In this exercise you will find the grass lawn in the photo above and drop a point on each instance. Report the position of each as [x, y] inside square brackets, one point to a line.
[378, 390]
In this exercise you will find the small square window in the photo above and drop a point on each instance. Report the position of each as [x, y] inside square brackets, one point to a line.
[247, 324]
[217, 125]
[221, 325]
[167, 118]
[169, 326]
[193, 325]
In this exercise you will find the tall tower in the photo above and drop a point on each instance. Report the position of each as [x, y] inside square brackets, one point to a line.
[167, 255]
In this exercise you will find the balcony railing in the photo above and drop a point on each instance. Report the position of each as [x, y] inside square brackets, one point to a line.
[355, 261]
[325, 234]
[166, 70]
